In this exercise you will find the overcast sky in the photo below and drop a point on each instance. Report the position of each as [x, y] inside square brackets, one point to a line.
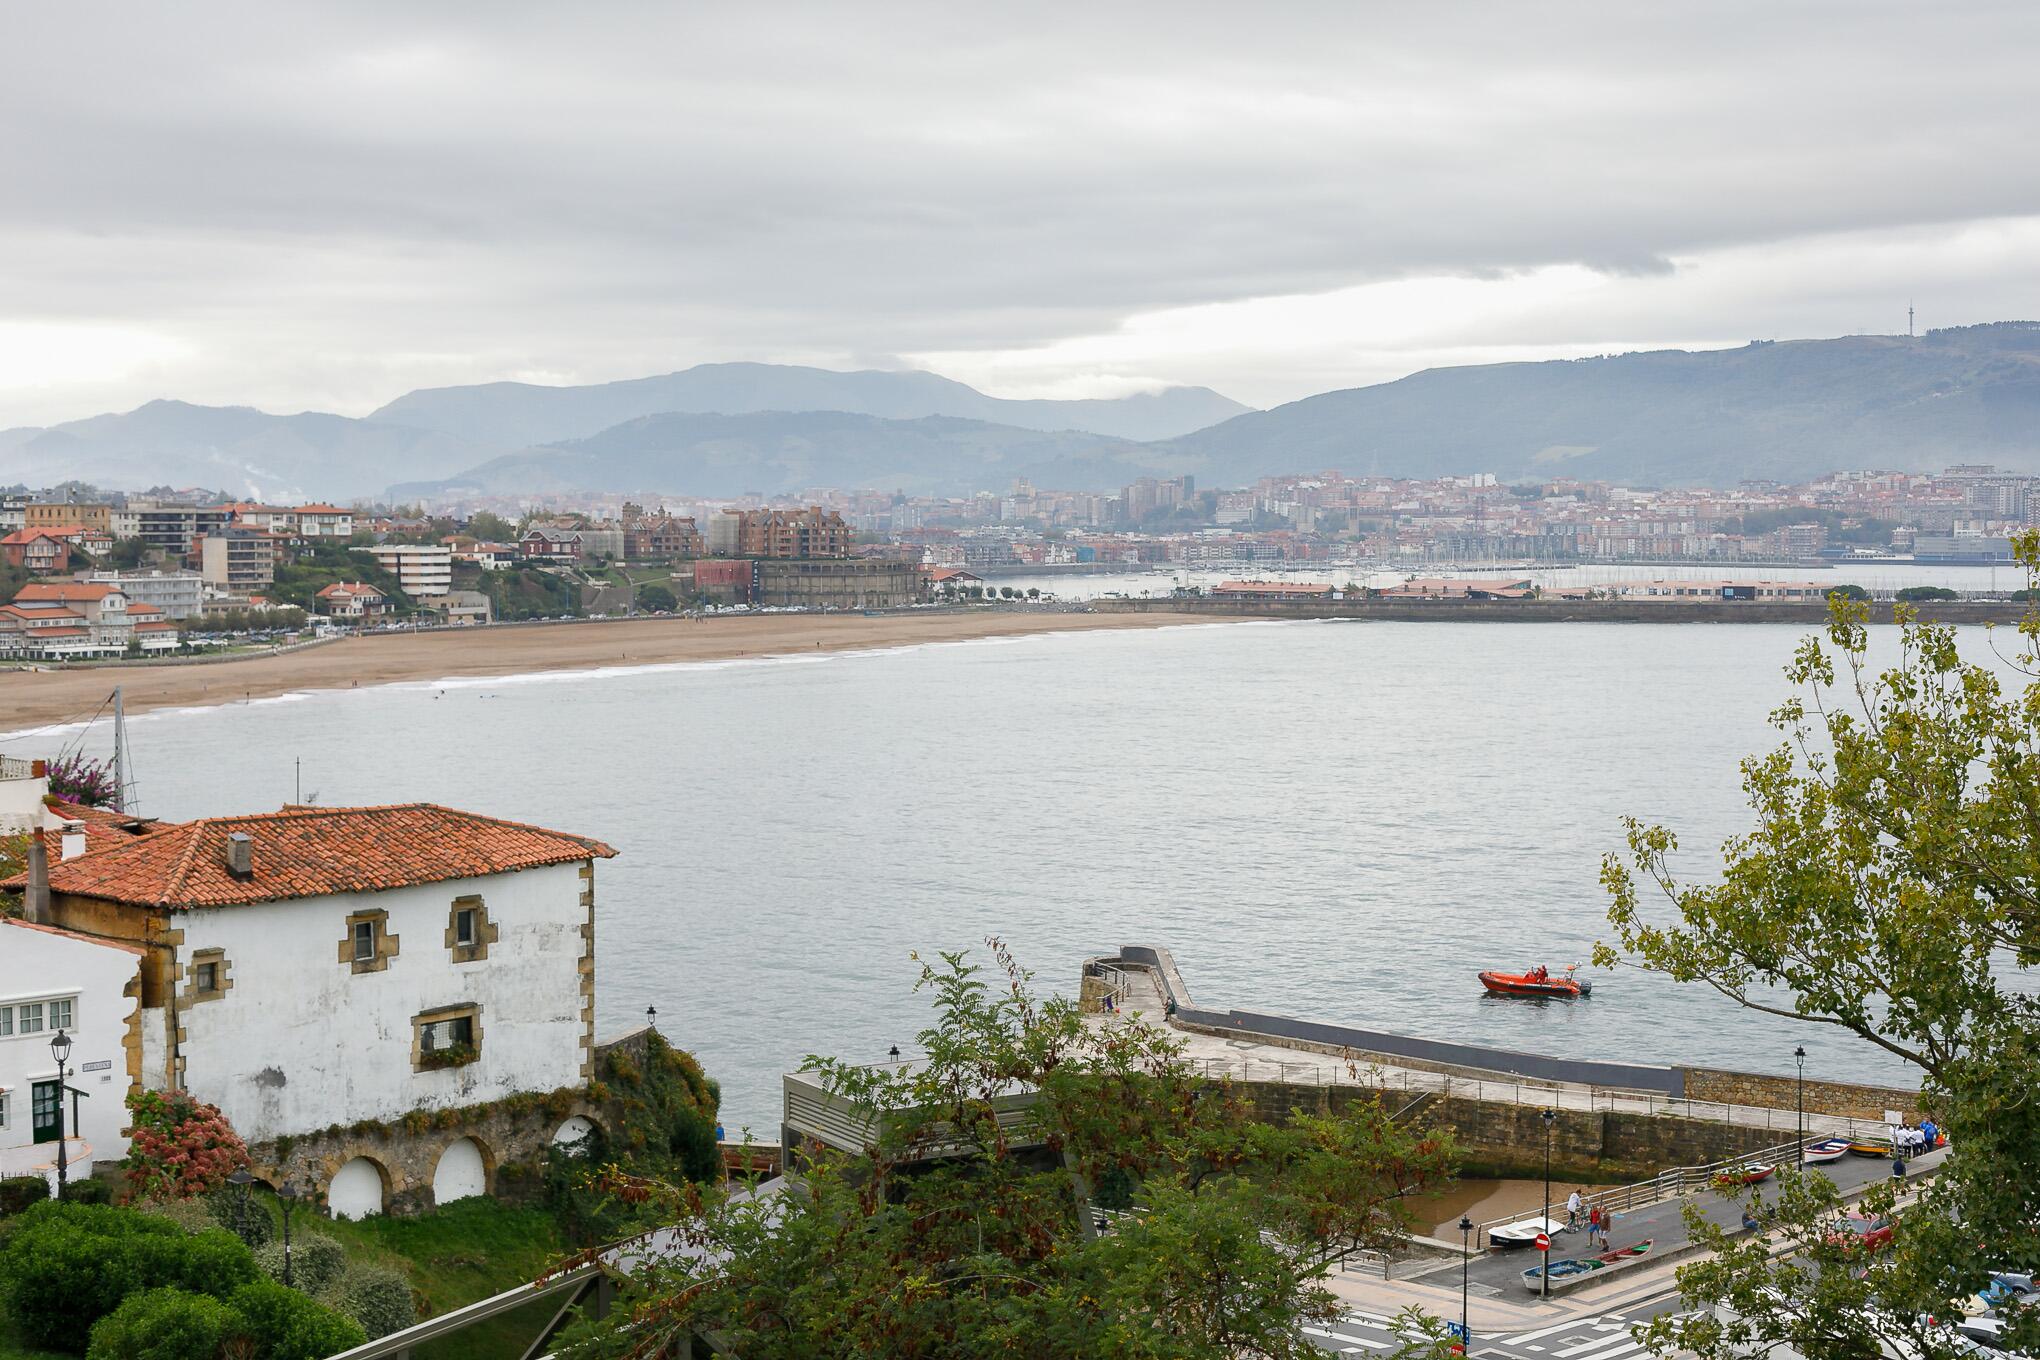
[324, 205]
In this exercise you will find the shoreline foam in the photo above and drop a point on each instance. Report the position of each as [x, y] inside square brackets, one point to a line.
[36, 703]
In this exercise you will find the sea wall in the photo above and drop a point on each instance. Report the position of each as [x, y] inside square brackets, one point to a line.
[1506, 1139]
[1782, 1093]
[1555, 611]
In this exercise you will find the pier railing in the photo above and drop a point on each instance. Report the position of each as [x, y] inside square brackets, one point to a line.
[1332, 1071]
[1674, 1182]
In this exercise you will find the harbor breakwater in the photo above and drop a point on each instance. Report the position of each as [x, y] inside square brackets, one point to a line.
[1558, 611]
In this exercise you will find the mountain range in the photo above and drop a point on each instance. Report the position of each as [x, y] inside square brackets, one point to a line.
[1788, 410]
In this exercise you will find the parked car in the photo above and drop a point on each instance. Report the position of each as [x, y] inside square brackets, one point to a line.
[1855, 1233]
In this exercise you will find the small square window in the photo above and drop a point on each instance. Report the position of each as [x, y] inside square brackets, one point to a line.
[30, 1017]
[441, 1035]
[364, 941]
[206, 977]
[60, 1014]
[464, 926]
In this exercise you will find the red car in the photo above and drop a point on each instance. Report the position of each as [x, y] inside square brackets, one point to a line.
[1856, 1234]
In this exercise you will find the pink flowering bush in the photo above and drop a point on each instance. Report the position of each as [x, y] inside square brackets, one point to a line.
[76, 779]
[179, 1147]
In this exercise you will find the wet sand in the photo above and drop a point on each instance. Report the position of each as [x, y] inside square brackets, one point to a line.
[38, 698]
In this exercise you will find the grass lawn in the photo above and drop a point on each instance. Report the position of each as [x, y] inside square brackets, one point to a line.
[453, 1256]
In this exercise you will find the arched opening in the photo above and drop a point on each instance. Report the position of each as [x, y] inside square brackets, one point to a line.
[573, 1134]
[358, 1189]
[461, 1173]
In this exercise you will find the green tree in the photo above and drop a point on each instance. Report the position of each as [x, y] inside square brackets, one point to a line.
[1912, 594]
[965, 1228]
[657, 598]
[1889, 890]
[490, 527]
[1850, 592]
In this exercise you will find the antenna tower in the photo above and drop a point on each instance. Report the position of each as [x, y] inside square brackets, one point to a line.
[1908, 321]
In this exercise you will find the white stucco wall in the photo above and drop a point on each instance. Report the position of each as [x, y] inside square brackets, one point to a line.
[302, 1042]
[461, 1173]
[38, 965]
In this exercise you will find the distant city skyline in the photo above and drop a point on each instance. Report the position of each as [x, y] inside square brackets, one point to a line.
[323, 208]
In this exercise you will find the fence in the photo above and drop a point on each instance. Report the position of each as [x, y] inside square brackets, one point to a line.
[1673, 1182]
[1333, 1072]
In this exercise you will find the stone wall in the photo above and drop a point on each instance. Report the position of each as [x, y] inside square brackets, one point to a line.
[1503, 1138]
[512, 1136]
[1782, 1093]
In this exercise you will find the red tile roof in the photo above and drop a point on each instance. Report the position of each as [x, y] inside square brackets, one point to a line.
[309, 852]
[64, 591]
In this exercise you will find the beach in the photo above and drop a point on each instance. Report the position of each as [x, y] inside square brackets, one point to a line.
[32, 699]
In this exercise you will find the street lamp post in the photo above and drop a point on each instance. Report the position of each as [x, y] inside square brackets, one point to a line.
[1799, 1056]
[893, 1053]
[651, 1017]
[288, 1193]
[1465, 1265]
[60, 1049]
[241, 1180]
[1549, 1117]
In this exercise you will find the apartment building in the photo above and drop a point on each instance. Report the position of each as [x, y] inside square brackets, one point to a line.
[422, 569]
[179, 594]
[793, 534]
[239, 561]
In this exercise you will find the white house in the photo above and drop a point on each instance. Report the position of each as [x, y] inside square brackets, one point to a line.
[88, 988]
[322, 967]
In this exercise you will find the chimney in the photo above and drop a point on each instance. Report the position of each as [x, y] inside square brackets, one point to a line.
[36, 905]
[240, 856]
[72, 842]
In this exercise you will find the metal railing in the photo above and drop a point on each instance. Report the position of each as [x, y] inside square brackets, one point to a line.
[1674, 1182]
[1332, 1071]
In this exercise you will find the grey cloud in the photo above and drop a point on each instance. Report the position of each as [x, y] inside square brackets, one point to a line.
[310, 188]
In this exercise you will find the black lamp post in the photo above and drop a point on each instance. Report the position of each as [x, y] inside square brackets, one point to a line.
[1465, 1266]
[651, 1017]
[1799, 1056]
[893, 1053]
[288, 1193]
[1550, 1117]
[60, 1049]
[241, 1180]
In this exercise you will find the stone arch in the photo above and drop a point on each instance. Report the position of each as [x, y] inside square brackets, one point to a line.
[462, 1172]
[359, 1189]
[572, 1132]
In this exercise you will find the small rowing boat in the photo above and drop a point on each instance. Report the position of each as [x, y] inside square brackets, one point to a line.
[1864, 1147]
[1523, 1233]
[1749, 1173]
[1826, 1150]
[1577, 1268]
[1539, 981]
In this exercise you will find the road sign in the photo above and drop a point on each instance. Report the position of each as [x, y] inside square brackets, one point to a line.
[1543, 1242]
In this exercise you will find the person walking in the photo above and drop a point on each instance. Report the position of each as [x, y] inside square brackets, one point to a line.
[1594, 1226]
[1572, 1212]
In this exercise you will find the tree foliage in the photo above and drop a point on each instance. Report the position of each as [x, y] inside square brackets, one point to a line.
[965, 1226]
[1888, 890]
[179, 1146]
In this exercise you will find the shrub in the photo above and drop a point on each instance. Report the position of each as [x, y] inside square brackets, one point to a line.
[285, 1325]
[191, 1215]
[316, 1262]
[87, 1192]
[69, 1265]
[163, 1324]
[179, 1147]
[1912, 594]
[18, 1192]
[376, 1297]
[244, 1216]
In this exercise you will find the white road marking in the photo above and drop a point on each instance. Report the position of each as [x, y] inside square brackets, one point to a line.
[1594, 1345]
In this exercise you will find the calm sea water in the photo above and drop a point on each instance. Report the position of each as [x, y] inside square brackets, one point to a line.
[1337, 820]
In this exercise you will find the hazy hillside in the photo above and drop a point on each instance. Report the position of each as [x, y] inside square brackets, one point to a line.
[785, 452]
[1790, 410]
[517, 414]
[235, 448]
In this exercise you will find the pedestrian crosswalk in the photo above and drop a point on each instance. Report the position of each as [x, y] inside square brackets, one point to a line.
[1608, 1336]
